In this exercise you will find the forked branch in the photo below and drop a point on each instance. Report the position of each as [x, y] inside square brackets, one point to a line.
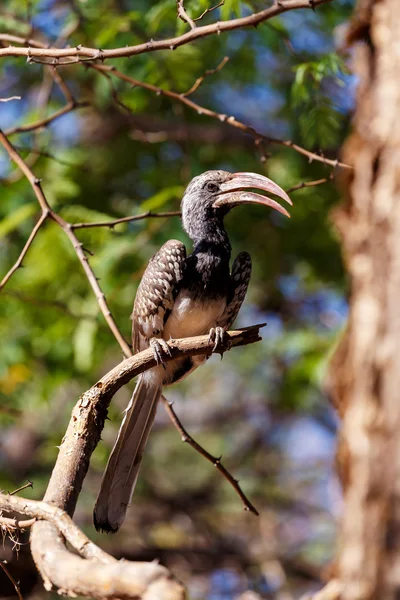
[104, 576]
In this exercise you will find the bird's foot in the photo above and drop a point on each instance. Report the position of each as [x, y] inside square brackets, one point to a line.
[160, 350]
[217, 335]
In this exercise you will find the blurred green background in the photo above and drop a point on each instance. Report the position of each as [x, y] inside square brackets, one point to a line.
[263, 407]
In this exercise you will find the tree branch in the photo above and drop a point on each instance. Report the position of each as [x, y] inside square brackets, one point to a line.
[182, 98]
[214, 460]
[72, 105]
[209, 72]
[25, 249]
[103, 577]
[111, 224]
[47, 212]
[182, 14]
[80, 53]
[229, 120]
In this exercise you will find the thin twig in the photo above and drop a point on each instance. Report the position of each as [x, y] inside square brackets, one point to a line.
[201, 110]
[307, 184]
[207, 73]
[208, 10]
[45, 154]
[80, 52]
[67, 228]
[59, 80]
[11, 578]
[25, 249]
[26, 485]
[46, 120]
[229, 120]
[216, 461]
[182, 14]
[111, 224]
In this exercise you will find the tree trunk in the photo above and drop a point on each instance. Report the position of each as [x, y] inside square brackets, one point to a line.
[366, 366]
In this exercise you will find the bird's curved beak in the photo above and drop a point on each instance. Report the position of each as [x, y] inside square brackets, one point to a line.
[233, 192]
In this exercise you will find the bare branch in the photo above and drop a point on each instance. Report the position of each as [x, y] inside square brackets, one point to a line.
[201, 110]
[73, 105]
[47, 210]
[25, 249]
[247, 505]
[182, 14]
[200, 80]
[11, 578]
[111, 224]
[26, 485]
[106, 577]
[208, 10]
[80, 53]
[229, 120]
[307, 184]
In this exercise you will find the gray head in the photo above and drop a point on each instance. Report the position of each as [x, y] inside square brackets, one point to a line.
[210, 196]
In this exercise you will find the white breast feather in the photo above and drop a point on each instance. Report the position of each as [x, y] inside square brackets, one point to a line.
[190, 317]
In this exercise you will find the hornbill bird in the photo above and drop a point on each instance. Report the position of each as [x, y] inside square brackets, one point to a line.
[181, 296]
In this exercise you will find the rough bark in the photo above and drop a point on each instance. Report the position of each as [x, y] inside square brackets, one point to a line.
[366, 367]
[93, 573]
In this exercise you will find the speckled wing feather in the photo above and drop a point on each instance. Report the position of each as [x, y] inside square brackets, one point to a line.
[156, 293]
[154, 301]
[240, 278]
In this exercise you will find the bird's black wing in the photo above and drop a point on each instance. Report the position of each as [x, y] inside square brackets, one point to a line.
[156, 293]
[240, 277]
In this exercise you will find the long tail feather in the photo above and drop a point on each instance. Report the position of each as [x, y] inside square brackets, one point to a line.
[122, 469]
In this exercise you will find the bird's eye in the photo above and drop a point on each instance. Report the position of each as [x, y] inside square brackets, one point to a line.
[212, 187]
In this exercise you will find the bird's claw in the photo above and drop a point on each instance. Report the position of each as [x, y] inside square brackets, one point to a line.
[217, 335]
[160, 350]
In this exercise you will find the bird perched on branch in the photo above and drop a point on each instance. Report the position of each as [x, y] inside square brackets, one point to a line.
[181, 296]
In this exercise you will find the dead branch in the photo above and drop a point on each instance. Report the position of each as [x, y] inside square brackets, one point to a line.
[208, 10]
[113, 223]
[40, 123]
[307, 184]
[25, 249]
[47, 212]
[106, 578]
[229, 120]
[81, 53]
[214, 460]
[182, 98]
[207, 73]
[182, 14]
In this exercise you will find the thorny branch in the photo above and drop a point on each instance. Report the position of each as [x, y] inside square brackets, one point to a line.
[229, 120]
[70, 470]
[214, 460]
[25, 249]
[111, 224]
[106, 577]
[180, 97]
[182, 14]
[209, 72]
[48, 213]
[81, 53]
[208, 10]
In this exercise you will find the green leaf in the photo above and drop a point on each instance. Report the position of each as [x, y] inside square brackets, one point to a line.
[15, 218]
